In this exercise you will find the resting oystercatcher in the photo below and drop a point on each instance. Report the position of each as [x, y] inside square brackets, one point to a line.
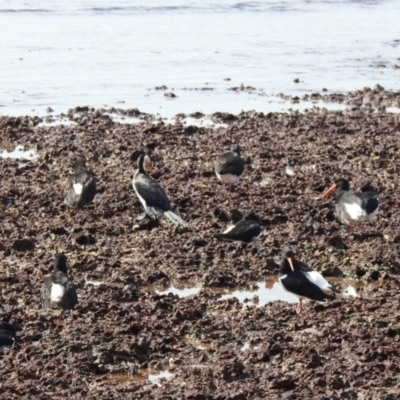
[351, 208]
[7, 334]
[229, 166]
[58, 290]
[152, 195]
[246, 230]
[299, 279]
[80, 187]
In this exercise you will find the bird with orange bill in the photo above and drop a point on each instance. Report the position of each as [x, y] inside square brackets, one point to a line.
[352, 208]
[299, 279]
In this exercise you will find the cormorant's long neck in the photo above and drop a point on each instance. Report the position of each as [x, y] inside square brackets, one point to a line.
[60, 264]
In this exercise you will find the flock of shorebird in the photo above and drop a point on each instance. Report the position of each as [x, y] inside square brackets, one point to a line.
[59, 292]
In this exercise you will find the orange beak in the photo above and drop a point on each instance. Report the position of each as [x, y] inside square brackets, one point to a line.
[330, 190]
[290, 261]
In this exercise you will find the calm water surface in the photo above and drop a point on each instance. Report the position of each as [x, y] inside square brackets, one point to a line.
[102, 52]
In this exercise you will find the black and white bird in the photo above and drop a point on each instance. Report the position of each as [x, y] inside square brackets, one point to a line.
[7, 334]
[80, 187]
[352, 208]
[58, 290]
[152, 196]
[229, 166]
[246, 230]
[299, 279]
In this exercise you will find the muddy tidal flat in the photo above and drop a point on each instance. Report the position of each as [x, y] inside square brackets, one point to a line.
[130, 337]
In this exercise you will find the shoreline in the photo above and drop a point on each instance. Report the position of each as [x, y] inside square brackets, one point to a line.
[338, 349]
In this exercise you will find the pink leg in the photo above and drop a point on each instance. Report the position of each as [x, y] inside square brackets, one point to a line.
[299, 308]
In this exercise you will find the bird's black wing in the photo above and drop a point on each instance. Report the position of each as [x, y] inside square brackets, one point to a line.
[229, 163]
[302, 266]
[6, 339]
[370, 201]
[297, 283]
[244, 231]
[89, 188]
[70, 298]
[152, 193]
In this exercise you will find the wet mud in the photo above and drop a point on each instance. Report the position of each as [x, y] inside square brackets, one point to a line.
[344, 349]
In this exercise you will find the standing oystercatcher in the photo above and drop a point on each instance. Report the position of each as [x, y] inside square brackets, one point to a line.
[58, 290]
[352, 208]
[246, 230]
[80, 187]
[229, 166]
[299, 279]
[152, 195]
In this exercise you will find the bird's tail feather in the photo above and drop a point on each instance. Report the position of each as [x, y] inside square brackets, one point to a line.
[176, 219]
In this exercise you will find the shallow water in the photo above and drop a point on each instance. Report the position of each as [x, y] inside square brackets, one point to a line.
[266, 291]
[19, 153]
[115, 53]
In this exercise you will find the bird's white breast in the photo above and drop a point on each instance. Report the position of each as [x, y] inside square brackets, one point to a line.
[354, 211]
[57, 292]
[78, 187]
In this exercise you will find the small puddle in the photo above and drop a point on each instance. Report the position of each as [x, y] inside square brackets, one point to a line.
[143, 374]
[266, 292]
[19, 153]
[181, 291]
[197, 343]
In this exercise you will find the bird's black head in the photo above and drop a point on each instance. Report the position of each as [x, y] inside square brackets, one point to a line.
[287, 252]
[144, 163]
[6, 326]
[366, 188]
[236, 148]
[252, 217]
[287, 259]
[77, 162]
[340, 184]
[60, 263]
